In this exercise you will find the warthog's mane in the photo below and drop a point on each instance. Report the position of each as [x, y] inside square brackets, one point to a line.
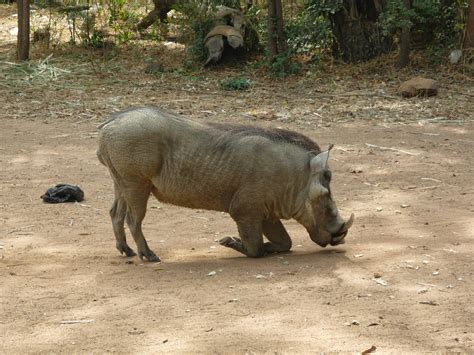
[278, 135]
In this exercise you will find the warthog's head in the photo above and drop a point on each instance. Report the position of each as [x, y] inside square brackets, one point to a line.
[320, 215]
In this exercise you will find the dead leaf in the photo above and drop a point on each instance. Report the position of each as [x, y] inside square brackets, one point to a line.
[370, 350]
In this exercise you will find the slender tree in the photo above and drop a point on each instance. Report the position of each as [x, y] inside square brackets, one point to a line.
[404, 55]
[23, 37]
[272, 32]
[276, 33]
[469, 35]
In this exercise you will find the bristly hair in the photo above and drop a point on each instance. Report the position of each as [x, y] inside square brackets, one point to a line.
[274, 134]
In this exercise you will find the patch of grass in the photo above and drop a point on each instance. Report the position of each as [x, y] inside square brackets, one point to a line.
[238, 83]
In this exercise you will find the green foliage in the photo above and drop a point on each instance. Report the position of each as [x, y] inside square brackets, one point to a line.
[440, 22]
[433, 22]
[396, 17]
[308, 32]
[256, 31]
[323, 8]
[123, 19]
[238, 83]
[158, 31]
[283, 65]
[235, 4]
[95, 40]
[89, 35]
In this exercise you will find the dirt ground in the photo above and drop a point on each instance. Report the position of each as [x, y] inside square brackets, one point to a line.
[403, 282]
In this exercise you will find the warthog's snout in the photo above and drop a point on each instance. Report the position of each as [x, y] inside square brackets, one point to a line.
[335, 234]
[338, 238]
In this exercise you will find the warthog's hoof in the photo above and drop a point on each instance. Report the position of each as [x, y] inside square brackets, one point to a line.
[123, 248]
[149, 255]
[231, 242]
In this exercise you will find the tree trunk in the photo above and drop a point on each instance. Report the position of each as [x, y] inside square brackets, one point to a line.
[162, 7]
[23, 37]
[280, 27]
[276, 31]
[404, 55]
[469, 35]
[272, 30]
[357, 36]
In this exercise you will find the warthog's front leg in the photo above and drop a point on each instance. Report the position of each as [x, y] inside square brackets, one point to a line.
[276, 233]
[250, 242]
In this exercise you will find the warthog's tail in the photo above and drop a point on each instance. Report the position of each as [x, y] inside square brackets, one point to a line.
[106, 122]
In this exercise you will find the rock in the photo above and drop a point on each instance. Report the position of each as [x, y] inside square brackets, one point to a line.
[455, 56]
[419, 86]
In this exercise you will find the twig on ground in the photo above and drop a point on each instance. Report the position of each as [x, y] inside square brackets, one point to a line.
[77, 321]
[392, 149]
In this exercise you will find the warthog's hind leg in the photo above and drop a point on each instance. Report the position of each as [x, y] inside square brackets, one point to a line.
[136, 195]
[117, 214]
[276, 233]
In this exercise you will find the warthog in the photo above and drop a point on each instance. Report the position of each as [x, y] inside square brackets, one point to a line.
[258, 176]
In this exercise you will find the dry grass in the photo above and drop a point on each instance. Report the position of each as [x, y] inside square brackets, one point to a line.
[75, 83]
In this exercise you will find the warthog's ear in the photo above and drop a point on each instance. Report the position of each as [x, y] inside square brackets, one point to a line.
[320, 161]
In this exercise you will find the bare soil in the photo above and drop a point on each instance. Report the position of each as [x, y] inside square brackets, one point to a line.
[403, 282]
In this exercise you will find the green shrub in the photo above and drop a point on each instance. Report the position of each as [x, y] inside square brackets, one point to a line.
[433, 22]
[283, 65]
[238, 83]
[308, 32]
[123, 19]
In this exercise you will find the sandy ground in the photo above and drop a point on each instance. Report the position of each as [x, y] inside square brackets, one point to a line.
[414, 227]
[403, 282]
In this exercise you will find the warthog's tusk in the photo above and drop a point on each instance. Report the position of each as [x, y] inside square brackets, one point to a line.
[343, 232]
